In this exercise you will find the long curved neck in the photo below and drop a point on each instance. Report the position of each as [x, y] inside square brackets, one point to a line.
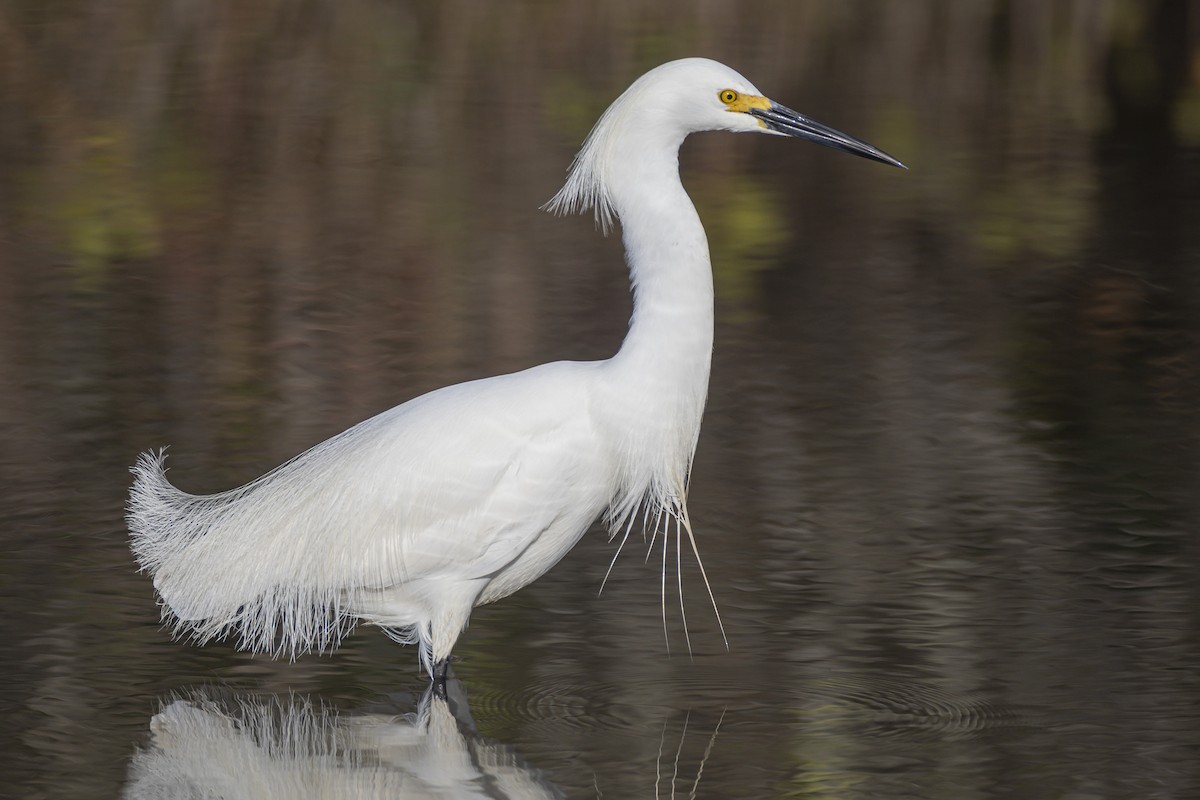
[671, 328]
[661, 371]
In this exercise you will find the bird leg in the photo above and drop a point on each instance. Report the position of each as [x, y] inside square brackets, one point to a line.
[441, 672]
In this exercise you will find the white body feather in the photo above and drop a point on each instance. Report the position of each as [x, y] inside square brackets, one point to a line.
[464, 495]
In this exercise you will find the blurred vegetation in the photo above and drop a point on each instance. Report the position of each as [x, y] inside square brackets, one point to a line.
[239, 227]
[105, 216]
[746, 230]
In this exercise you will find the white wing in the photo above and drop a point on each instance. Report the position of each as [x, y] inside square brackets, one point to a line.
[458, 482]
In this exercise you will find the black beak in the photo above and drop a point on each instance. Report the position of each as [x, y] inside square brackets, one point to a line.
[782, 119]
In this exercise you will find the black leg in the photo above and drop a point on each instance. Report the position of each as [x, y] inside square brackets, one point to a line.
[441, 671]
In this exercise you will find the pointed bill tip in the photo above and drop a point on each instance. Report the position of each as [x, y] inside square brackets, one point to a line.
[783, 120]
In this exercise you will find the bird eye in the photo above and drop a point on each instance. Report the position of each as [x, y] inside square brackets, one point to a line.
[728, 96]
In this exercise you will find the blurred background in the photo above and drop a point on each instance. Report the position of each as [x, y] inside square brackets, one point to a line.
[946, 488]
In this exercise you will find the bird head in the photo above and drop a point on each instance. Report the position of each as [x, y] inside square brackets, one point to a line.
[701, 95]
[664, 106]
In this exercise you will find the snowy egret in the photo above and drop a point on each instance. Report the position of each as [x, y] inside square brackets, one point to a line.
[462, 496]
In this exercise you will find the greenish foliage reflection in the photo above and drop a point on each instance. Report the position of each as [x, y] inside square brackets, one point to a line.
[958, 439]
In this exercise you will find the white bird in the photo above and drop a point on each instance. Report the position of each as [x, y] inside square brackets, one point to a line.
[209, 743]
[466, 494]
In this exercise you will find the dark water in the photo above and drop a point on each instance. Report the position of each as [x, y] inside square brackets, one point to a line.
[946, 488]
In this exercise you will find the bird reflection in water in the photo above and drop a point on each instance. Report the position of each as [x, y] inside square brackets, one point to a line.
[206, 745]
[673, 780]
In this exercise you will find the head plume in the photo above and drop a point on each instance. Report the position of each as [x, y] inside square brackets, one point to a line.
[671, 100]
[585, 188]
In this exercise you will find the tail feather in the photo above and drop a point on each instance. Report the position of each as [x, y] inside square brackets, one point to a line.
[203, 572]
[158, 513]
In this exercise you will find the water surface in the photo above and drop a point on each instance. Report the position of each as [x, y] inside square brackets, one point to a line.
[946, 485]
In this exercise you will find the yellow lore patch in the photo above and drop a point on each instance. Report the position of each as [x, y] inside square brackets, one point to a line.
[742, 103]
